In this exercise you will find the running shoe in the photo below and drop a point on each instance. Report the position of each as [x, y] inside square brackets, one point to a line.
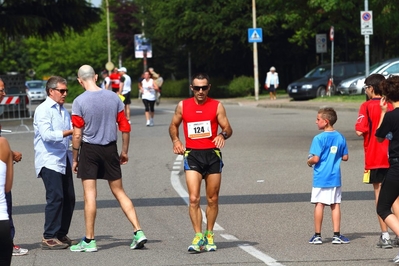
[139, 240]
[82, 246]
[198, 243]
[209, 244]
[316, 240]
[18, 251]
[384, 243]
[395, 242]
[340, 240]
[396, 259]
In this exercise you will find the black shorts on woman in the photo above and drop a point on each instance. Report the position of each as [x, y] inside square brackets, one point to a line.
[205, 162]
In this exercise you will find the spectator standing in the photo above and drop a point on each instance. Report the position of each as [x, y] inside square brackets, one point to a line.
[201, 117]
[95, 154]
[159, 81]
[375, 153]
[17, 157]
[6, 179]
[272, 82]
[125, 87]
[115, 80]
[53, 130]
[106, 83]
[148, 90]
[389, 128]
[326, 152]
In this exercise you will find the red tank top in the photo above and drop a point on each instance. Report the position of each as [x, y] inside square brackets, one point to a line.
[200, 123]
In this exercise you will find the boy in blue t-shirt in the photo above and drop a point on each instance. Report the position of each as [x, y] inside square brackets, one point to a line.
[326, 152]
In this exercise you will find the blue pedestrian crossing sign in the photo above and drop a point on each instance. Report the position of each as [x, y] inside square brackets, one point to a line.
[255, 35]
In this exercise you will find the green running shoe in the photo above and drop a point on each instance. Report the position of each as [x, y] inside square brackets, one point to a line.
[139, 240]
[209, 244]
[198, 243]
[82, 246]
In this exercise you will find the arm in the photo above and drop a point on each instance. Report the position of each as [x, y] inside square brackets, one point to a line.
[177, 118]
[120, 87]
[345, 157]
[384, 107]
[224, 124]
[6, 155]
[156, 87]
[16, 156]
[76, 141]
[46, 128]
[313, 160]
[277, 81]
[124, 158]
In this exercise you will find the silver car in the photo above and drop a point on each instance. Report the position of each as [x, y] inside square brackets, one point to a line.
[36, 90]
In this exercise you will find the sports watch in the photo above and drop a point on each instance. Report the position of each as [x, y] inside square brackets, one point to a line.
[224, 134]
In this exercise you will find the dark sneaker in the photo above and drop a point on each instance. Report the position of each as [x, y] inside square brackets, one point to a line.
[67, 240]
[384, 243]
[340, 240]
[18, 251]
[53, 243]
[139, 240]
[316, 240]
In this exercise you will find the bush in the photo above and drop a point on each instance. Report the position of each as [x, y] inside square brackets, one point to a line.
[176, 88]
[241, 86]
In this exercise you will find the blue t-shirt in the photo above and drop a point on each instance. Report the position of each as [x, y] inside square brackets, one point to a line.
[330, 146]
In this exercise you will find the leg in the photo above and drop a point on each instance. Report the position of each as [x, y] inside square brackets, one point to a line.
[318, 216]
[6, 245]
[125, 202]
[69, 201]
[90, 195]
[377, 188]
[336, 216]
[271, 95]
[193, 181]
[212, 183]
[9, 211]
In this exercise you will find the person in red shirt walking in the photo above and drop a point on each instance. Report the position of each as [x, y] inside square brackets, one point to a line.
[201, 117]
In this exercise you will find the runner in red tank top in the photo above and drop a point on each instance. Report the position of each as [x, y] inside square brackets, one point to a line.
[201, 117]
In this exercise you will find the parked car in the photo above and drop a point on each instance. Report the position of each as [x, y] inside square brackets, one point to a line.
[346, 86]
[386, 68]
[314, 83]
[36, 90]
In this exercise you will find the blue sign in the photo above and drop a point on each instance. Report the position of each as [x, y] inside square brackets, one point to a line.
[255, 35]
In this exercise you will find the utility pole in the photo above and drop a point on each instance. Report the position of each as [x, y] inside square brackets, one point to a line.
[255, 46]
[366, 45]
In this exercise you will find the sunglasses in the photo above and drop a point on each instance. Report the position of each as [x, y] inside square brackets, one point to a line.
[198, 88]
[62, 91]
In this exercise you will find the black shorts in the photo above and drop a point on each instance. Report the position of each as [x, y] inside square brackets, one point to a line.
[377, 175]
[203, 161]
[127, 98]
[99, 162]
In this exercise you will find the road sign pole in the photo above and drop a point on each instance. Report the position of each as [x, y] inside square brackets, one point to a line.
[366, 46]
[255, 45]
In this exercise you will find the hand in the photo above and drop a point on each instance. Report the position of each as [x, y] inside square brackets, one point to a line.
[75, 167]
[123, 158]
[178, 147]
[16, 156]
[219, 141]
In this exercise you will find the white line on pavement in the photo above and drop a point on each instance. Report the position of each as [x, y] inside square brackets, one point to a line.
[175, 180]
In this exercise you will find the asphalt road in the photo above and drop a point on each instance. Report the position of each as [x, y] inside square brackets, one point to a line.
[265, 217]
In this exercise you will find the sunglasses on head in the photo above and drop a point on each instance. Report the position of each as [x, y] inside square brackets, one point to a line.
[198, 88]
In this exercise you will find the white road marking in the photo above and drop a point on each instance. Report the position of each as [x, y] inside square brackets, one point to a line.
[175, 180]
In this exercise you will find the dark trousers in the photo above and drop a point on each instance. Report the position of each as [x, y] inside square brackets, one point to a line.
[9, 210]
[5, 243]
[389, 191]
[60, 198]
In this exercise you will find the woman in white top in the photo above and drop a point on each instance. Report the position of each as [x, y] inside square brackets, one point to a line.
[148, 91]
[6, 177]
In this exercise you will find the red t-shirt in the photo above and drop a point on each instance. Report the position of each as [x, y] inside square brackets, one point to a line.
[376, 153]
[200, 123]
[115, 80]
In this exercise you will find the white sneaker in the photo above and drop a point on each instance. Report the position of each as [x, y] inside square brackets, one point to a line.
[148, 123]
[18, 251]
[151, 122]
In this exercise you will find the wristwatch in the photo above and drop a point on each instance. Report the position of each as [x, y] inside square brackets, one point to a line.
[224, 134]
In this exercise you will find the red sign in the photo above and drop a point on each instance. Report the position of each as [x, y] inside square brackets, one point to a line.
[332, 33]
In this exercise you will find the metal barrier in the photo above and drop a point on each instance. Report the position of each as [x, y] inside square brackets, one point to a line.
[16, 107]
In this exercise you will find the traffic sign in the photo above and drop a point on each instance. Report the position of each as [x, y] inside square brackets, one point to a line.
[141, 45]
[321, 43]
[332, 33]
[255, 35]
[366, 22]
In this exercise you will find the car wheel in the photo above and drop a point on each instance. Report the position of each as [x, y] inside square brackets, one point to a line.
[321, 91]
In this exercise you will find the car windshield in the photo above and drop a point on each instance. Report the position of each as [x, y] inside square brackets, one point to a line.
[318, 72]
[35, 85]
[377, 66]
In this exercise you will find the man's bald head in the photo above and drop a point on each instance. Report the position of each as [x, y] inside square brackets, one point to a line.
[86, 72]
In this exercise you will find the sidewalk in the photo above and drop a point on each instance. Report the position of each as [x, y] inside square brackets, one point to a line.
[286, 102]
